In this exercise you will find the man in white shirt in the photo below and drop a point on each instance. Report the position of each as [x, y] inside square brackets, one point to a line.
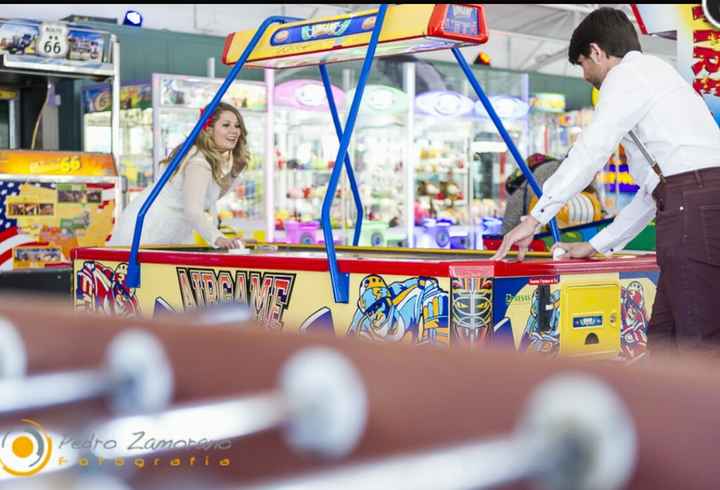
[645, 95]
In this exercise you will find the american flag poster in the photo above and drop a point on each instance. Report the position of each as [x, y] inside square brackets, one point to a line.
[41, 222]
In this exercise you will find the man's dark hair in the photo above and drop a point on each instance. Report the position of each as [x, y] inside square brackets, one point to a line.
[608, 28]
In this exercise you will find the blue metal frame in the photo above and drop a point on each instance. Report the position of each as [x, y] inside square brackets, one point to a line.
[133, 276]
[504, 134]
[341, 280]
[348, 166]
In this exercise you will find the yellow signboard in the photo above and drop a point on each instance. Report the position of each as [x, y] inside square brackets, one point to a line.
[26, 162]
[7, 94]
[407, 28]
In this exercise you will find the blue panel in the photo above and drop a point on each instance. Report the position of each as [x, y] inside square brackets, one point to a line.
[587, 321]
[323, 30]
[461, 20]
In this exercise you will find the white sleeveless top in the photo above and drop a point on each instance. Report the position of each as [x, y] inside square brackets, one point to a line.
[179, 208]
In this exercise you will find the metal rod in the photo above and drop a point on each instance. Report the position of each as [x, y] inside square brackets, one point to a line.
[341, 281]
[13, 357]
[132, 280]
[48, 390]
[13, 121]
[269, 167]
[348, 165]
[480, 465]
[503, 133]
[137, 377]
[115, 115]
[320, 402]
[576, 434]
[410, 155]
[568, 7]
[204, 424]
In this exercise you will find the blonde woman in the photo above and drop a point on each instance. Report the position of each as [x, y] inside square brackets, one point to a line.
[208, 171]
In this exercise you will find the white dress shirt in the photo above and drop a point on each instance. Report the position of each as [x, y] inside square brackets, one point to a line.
[645, 94]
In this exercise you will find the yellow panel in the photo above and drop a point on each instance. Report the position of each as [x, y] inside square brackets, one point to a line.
[30, 162]
[590, 318]
[402, 22]
[281, 299]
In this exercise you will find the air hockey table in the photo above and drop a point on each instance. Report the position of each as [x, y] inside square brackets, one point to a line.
[596, 308]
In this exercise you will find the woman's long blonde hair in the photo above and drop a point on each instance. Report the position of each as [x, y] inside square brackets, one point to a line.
[214, 156]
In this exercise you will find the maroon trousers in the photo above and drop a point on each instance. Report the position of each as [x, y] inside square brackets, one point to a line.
[686, 313]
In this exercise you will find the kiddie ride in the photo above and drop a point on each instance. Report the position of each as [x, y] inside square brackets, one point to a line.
[598, 306]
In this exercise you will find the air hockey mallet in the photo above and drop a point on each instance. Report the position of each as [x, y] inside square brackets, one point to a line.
[576, 434]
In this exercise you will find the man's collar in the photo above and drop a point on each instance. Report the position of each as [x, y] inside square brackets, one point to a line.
[630, 55]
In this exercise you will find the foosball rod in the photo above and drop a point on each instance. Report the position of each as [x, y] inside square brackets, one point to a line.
[576, 434]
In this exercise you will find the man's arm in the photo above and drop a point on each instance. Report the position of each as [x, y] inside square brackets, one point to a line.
[627, 224]
[625, 99]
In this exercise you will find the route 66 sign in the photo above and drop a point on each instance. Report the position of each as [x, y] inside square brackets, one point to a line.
[52, 40]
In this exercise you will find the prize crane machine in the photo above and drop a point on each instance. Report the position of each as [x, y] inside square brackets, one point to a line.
[546, 124]
[491, 165]
[381, 158]
[305, 148]
[135, 144]
[52, 201]
[177, 100]
[443, 134]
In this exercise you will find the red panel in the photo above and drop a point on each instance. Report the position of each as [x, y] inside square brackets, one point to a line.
[494, 244]
[209, 259]
[435, 25]
[638, 17]
[226, 48]
[547, 267]
[436, 268]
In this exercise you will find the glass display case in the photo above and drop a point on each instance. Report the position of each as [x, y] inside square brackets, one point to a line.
[492, 161]
[443, 136]
[177, 101]
[379, 155]
[305, 150]
[135, 160]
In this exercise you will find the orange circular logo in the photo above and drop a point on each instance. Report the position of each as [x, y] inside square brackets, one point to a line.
[25, 450]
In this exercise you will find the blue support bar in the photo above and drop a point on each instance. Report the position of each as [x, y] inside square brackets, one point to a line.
[341, 281]
[504, 134]
[132, 279]
[348, 166]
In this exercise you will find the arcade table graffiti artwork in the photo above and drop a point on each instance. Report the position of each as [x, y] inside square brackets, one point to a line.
[596, 308]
